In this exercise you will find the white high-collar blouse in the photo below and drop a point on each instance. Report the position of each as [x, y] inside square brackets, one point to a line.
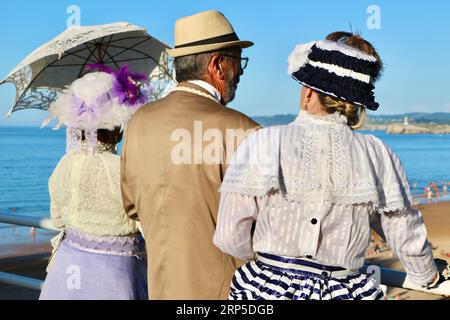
[314, 189]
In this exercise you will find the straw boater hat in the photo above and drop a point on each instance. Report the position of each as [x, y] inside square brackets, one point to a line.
[204, 32]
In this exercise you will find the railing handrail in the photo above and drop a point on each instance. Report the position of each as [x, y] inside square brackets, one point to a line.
[20, 281]
[389, 277]
[26, 221]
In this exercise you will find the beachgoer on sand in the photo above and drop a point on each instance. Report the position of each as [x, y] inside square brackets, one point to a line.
[435, 188]
[428, 194]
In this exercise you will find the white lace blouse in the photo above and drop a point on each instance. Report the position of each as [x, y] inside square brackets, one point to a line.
[314, 189]
[85, 194]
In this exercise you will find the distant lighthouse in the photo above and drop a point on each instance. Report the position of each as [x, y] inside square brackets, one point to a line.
[405, 122]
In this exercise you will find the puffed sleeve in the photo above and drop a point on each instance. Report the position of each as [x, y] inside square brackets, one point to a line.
[252, 173]
[237, 214]
[398, 223]
[57, 190]
[393, 187]
[406, 234]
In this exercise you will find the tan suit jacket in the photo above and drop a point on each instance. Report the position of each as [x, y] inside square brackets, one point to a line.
[177, 204]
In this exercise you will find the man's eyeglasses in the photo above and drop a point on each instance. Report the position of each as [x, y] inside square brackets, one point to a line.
[244, 61]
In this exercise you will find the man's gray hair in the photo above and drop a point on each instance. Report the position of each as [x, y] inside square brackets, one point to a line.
[195, 66]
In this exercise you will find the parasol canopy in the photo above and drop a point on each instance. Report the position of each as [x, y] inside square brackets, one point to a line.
[59, 62]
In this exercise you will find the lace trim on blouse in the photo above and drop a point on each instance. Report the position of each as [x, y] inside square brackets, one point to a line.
[319, 161]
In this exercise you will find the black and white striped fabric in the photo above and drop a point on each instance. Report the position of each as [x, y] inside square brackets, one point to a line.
[273, 277]
[337, 70]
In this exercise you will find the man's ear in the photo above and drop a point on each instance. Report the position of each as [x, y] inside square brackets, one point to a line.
[215, 69]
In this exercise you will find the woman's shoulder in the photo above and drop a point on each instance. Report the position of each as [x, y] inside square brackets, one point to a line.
[371, 141]
[377, 150]
[113, 161]
[96, 160]
[62, 169]
[111, 157]
[104, 161]
[258, 147]
[263, 137]
[268, 131]
[64, 162]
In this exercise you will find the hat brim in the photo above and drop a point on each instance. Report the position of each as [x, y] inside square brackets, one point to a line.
[372, 107]
[179, 52]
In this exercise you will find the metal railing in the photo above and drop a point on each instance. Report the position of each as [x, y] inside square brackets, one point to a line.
[41, 223]
[388, 277]
[21, 281]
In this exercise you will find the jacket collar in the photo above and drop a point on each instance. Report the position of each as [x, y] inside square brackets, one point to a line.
[208, 87]
[198, 88]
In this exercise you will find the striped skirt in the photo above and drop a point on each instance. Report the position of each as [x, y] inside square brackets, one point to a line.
[272, 277]
[87, 267]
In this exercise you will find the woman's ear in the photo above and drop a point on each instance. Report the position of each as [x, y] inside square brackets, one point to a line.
[309, 93]
[305, 99]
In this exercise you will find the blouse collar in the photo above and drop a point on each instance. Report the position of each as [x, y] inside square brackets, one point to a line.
[335, 118]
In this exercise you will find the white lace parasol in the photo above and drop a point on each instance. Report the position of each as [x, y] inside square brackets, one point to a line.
[58, 63]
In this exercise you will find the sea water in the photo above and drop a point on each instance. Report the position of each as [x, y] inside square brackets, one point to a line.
[29, 155]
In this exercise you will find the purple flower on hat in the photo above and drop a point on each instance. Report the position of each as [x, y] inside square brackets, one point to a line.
[127, 87]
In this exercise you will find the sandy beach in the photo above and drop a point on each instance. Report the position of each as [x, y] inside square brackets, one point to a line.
[437, 221]
[31, 259]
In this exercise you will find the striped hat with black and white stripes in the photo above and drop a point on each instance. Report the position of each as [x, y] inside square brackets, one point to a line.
[337, 70]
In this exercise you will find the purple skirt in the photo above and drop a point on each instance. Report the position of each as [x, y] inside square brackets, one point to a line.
[87, 267]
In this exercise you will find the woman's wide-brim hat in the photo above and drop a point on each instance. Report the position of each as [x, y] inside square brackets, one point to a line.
[204, 32]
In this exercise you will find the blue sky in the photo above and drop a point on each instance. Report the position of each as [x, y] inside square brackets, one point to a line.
[414, 42]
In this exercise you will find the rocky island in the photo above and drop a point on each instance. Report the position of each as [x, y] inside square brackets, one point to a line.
[407, 128]
[410, 123]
